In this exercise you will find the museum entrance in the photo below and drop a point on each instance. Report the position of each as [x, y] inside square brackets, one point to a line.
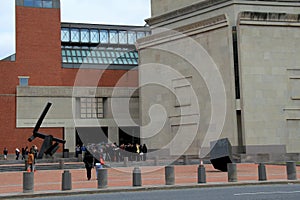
[91, 135]
[129, 135]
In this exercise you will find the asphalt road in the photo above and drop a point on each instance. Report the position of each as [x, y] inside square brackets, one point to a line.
[272, 192]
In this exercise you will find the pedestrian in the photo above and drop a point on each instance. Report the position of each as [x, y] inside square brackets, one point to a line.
[5, 152]
[17, 153]
[144, 151]
[30, 161]
[88, 162]
[83, 150]
[23, 153]
[77, 150]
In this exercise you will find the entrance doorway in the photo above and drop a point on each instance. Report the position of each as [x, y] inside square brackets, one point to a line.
[91, 135]
[129, 135]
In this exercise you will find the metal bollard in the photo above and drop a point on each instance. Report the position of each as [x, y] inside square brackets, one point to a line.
[232, 172]
[201, 174]
[291, 171]
[66, 181]
[136, 177]
[61, 164]
[169, 175]
[102, 178]
[262, 175]
[125, 161]
[28, 182]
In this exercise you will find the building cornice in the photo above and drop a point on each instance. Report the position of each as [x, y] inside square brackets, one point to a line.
[211, 3]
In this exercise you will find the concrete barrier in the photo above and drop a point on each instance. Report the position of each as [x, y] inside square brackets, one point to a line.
[102, 178]
[28, 182]
[66, 181]
[262, 175]
[125, 161]
[136, 177]
[201, 174]
[232, 172]
[291, 171]
[169, 175]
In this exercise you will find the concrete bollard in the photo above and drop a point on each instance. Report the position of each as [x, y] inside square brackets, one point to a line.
[125, 161]
[156, 161]
[102, 178]
[186, 160]
[28, 182]
[170, 175]
[262, 175]
[66, 181]
[232, 172]
[136, 177]
[291, 171]
[201, 174]
[61, 164]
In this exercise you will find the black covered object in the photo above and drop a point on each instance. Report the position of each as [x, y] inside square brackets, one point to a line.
[220, 154]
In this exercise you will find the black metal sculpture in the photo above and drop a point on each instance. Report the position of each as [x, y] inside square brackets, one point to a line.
[48, 147]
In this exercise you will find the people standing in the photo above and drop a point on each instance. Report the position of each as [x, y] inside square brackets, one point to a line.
[88, 162]
[17, 153]
[144, 151]
[30, 161]
[5, 152]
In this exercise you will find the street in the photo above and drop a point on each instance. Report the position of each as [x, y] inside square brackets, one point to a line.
[272, 192]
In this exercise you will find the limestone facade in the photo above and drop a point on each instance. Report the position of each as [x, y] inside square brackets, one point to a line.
[221, 69]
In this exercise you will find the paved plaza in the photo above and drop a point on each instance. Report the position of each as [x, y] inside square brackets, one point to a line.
[50, 181]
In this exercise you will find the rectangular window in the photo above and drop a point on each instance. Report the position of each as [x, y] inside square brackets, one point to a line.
[104, 36]
[91, 108]
[94, 36]
[113, 37]
[23, 81]
[84, 36]
[29, 3]
[74, 35]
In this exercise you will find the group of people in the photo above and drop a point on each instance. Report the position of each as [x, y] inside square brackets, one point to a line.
[27, 154]
[96, 155]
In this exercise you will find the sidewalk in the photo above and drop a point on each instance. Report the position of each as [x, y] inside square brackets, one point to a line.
[121, 178]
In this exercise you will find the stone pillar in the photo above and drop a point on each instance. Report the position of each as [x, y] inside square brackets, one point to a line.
[170, 175]
[201, 174]
[66, 180]
[28, 182]
[102, 178]
[136, 177]
[291, 170]
[232, 172]
[262, 175]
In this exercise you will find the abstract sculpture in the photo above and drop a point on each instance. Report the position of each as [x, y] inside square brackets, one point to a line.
[48, 147]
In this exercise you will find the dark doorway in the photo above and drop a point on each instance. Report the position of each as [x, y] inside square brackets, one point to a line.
[91, 135]
[129, 135]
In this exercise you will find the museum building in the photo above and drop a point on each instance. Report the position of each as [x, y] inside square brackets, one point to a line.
[82, 69]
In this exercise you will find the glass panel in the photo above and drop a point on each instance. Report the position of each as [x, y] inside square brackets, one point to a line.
[129, 61]
[105, 61]
[100, 61]
[74, 35]
[68, 53]
[94, 36]
[131, 37]
[90, 60]
[136, 54]
[104, 36]
[123, 37]
[63, 52]
[98, 53]
[140, 35]
[83, 53]
[64, 59]
[78, 53]
[103, 54]
[73, 53]
[117, 54]
[38, 3]
[112, 54]
[125, 61]
[113, 37]
[80, 59]
[85, 60]
[70, 60]
[28, 3]
[93, 53]
[108, 54]
[65, 35]
[84, 35]
[75, 60]
[47, 4]
[134, 61]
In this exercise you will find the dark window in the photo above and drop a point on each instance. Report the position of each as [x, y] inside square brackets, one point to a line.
[38, 3]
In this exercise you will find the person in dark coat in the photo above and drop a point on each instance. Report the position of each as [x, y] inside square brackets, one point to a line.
[89, 164]
[144, 150]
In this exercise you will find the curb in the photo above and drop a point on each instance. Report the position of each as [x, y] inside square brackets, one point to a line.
[141, 189]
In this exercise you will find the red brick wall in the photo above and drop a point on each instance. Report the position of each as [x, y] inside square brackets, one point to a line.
[38, 55]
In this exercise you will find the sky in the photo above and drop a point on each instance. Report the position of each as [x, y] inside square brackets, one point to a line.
[117, 12]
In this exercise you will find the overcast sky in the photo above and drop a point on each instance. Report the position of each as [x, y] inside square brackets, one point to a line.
[124, 12]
